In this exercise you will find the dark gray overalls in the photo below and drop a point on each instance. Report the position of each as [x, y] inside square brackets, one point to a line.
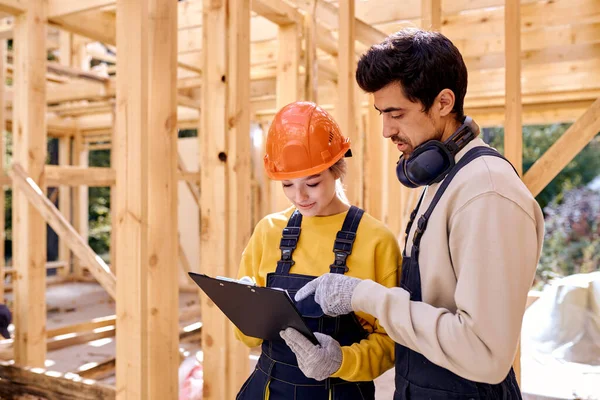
[417, 378]
[277, 367]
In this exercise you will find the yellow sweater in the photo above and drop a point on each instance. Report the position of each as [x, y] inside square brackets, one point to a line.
[375, 256]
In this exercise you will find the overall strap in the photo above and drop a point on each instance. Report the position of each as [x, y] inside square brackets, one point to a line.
[471, 155]
[288, 243]
[344, 240]
[413, 215]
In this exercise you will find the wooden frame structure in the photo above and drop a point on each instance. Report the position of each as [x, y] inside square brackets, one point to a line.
[218, 66]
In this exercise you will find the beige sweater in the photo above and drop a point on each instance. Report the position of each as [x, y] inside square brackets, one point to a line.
[478, 259]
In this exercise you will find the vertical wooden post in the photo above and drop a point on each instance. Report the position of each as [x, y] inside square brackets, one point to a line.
[29, 229]
[513, 128]
[311, 64]
[2, 151]
[65, 50]
[375, 169]
[346, 110]
[395, 191]
[431, 15]
[64, 157]
[64, 203]
[113, 191]
[76, 205]
[287, 90]
[224, 141]
[163, 239]
[131, 208]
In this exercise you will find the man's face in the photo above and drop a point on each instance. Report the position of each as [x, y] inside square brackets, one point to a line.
[404, 122]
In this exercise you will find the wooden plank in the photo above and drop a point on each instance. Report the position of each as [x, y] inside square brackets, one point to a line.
[97, 25]
[49, 385]
[375, 169]
[287, 91]
[79, 176]
[15, 7]
[225, 168]
[311, 63]
[64, 202]
[563, 150]
[513, 136]
[131, 208]
[328, 13]
[29, 149]
[279, 12]
[346, 105]
[63, 229]
[65, 53]
[3, 49]
[431, 15]
[163, 341]
[60, 8]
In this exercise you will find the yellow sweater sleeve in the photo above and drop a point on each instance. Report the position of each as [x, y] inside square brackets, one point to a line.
[248, 267]
[371, 357]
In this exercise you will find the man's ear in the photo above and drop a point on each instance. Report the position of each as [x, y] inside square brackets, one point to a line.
[445, 100]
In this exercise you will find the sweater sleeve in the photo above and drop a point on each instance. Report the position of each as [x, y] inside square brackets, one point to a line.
[249, 266]
[494, 249]
[371, 357]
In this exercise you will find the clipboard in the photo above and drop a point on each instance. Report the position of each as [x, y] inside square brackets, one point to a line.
[260, 312]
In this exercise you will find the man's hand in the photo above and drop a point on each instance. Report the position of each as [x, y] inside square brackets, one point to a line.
[333, 292]
[317, 362]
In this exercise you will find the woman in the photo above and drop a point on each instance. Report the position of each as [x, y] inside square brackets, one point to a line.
[305, 151]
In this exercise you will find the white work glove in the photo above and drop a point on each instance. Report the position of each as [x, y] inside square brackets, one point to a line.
[317, 362]
[333, 292]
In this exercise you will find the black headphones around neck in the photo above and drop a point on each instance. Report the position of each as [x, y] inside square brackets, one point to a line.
[431, 161]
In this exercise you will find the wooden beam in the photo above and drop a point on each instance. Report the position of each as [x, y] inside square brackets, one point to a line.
[287, 91]
[79, 176]
[131, 208]
[311, 62]
[329, 14]
[225, 167]
[163, 341]
[346, 106]
[63, 229]
[97, 25]
[375, 169]
[64, 201]
[513, 128]
[279, 12]
[29, 149]
[61, 8]
[563, 150]
[431, 15]
[15, 7]
[50, 385]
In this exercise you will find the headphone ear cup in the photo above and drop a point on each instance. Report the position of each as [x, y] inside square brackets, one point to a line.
[401, 174]
[428, 164]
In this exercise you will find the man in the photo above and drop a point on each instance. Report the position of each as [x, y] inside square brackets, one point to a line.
[5, 320]
[472, 246]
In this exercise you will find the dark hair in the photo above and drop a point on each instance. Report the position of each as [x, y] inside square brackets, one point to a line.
[423, 62]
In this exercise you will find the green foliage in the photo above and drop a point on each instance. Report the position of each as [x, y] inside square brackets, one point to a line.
[99, 209]
[536, 140]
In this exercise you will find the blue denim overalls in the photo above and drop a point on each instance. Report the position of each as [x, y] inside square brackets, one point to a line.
[277, 367]
[416, 376]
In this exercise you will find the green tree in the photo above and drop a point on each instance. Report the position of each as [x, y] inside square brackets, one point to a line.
[536, 140]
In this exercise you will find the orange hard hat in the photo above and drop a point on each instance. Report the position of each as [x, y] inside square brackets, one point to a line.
[303, 140]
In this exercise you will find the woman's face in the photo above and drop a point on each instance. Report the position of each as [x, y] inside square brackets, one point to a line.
[313, 195]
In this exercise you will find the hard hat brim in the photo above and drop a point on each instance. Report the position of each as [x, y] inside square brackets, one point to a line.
[280, 176]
